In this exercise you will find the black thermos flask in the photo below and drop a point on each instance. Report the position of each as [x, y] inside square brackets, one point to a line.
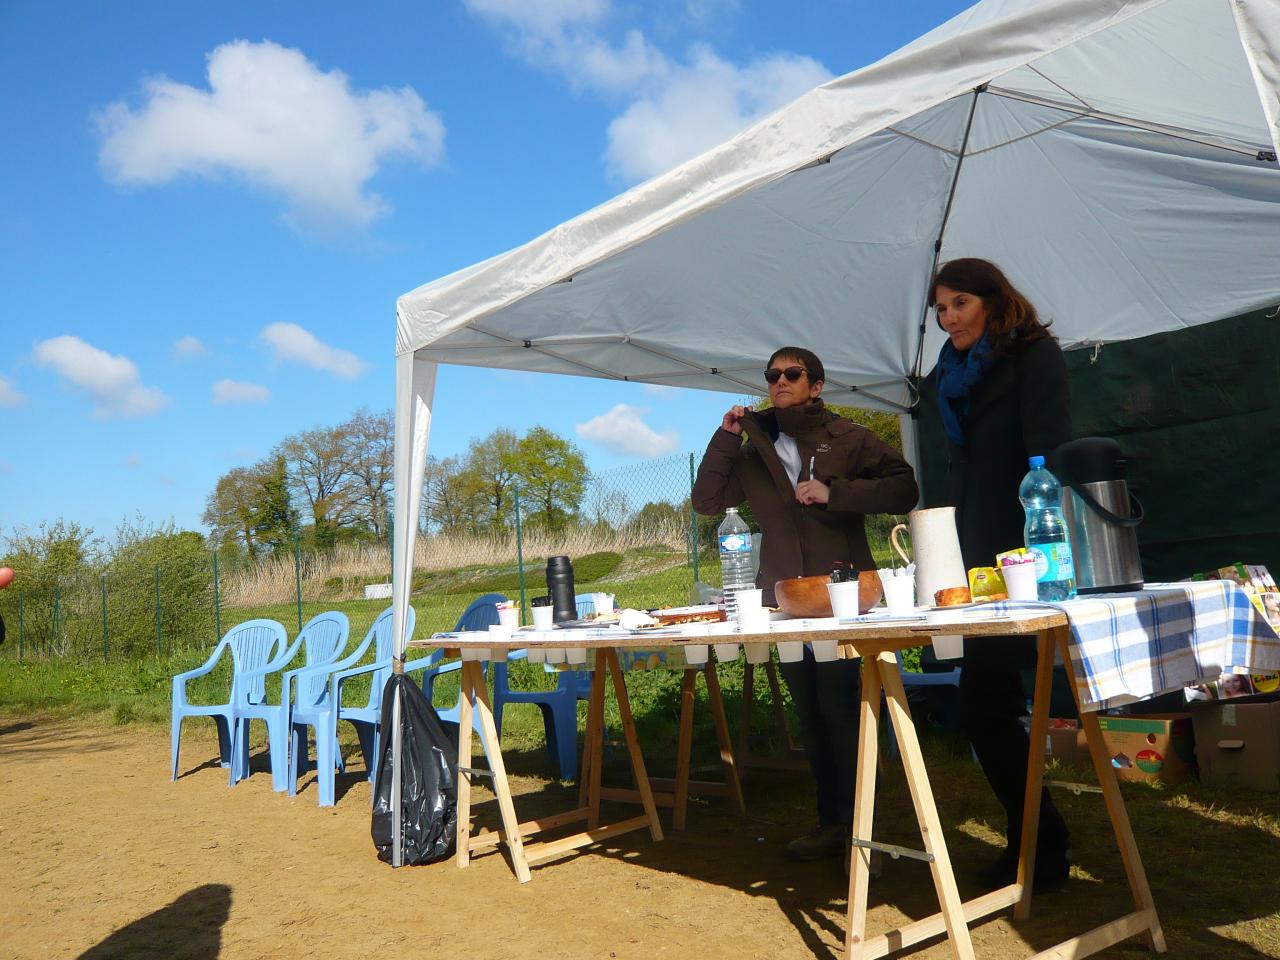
[560, 585]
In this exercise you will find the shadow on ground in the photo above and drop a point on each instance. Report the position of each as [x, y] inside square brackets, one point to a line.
[190, 928]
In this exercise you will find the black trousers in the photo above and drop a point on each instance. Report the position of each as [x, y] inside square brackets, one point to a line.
[992, 702]
[826, 697]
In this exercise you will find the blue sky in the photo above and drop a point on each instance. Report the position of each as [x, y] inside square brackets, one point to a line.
[208, 211]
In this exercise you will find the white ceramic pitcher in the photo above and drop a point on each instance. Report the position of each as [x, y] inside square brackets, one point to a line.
[937, 551]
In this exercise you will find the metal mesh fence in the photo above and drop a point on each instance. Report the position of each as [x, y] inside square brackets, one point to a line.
[635, 536]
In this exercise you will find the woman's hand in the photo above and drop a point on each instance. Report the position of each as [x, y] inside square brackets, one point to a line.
[730, 421]
[812, 491]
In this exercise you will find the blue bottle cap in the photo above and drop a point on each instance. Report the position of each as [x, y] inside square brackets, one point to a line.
[1036, 462]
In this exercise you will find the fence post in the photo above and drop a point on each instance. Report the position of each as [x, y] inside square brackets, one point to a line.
[106, 649]
[520, 552]
[22, 630]
[159, 642]
[297, 576]
[217, 602]
[57, 619]
[693, 523]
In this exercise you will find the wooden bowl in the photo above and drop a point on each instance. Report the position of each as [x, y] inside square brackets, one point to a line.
[808, 597]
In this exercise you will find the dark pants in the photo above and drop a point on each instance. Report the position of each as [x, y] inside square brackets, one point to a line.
[992, 701]
[826, 698]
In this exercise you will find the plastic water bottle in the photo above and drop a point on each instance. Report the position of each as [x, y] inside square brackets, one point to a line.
[1045, 533]
[735, 558]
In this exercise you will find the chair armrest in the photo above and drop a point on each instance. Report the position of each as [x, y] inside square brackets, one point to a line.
[180, 680]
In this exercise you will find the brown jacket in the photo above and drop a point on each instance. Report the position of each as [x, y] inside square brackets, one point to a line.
[865, 475]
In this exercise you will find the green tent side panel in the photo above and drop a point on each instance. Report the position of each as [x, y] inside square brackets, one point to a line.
[1197, 412]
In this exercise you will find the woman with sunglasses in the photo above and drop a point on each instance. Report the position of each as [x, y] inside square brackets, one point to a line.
[810, 477]
[1001, 386]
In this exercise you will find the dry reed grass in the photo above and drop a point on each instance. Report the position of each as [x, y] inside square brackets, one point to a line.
[354, 565]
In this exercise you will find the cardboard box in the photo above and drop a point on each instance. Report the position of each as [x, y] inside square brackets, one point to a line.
[1238, 744]
[1150, 747]
[1066, 743]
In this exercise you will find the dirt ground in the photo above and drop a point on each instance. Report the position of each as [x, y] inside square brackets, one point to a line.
[104, 857]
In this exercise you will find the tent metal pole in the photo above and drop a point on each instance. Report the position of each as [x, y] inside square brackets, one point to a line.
[942, 229]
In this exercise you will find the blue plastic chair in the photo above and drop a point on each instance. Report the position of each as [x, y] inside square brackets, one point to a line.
[481, 613]
[253, 644]
[325, 637]
[325, 714]
[559, 706]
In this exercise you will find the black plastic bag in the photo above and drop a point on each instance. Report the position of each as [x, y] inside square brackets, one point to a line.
[428, 771]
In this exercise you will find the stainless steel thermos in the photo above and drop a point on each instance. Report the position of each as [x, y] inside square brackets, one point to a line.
[560, 586]
[1101, 515]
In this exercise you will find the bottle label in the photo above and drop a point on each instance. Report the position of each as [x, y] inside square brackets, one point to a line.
[735, 543]
[1053, 562]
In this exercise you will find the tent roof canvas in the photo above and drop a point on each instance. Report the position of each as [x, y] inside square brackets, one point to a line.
[1116, 158]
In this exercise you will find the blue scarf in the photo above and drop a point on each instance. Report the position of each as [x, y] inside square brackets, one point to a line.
[958, 375]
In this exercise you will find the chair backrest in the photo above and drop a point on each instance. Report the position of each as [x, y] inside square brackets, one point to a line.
[586, 604]
[324, 638]
[481, 613]
[384, 649]
[254, 644]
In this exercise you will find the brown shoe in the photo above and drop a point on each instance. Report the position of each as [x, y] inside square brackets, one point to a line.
[818, 844]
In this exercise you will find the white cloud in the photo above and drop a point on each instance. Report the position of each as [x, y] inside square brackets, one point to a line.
[623, 430]
[111, 380]
[563, 36]
[10, 396]
[700, 104]
[188, 348]
[289, 341]
[673, 110]
[237, 391]
[273, 118]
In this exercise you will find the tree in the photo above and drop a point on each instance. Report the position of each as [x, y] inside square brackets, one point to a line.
[449, 499]
[275, 517]
[251, 506]
[320, 472]
[372, 465]
[553, 474]
[489, 474]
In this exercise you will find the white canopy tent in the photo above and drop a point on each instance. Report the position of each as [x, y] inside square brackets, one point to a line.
[1117, 159]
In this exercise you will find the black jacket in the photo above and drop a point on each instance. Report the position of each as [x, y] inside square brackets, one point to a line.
[865, 475]
[1021, 409]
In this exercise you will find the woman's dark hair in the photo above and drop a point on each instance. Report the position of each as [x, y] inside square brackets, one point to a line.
[1010, 315]
[808, 359]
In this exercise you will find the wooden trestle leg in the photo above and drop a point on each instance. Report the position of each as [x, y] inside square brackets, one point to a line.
[1144, 919]
[1035, 772]
[863, 808]
[501, 787]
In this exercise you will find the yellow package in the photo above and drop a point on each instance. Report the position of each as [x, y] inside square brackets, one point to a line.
[1015, 556]
[986, 583]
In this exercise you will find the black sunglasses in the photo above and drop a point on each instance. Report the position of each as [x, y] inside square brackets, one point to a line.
[773, 375]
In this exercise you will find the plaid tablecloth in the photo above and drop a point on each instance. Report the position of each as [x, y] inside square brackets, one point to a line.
[1131, 646]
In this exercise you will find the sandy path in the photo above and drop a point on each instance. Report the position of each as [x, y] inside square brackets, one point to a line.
[104, 857]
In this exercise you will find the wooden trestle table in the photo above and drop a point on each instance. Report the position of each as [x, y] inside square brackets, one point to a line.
[877, 643]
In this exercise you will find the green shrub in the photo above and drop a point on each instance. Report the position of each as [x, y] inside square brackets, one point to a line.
[588, 568]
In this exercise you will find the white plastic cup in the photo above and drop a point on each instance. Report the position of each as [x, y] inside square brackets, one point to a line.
[899, 595]
[602, 602]
[577, 655]
[948, 646]
[1020, 581]
[555, 655]
[757, 653]
[747, 601]
[542, 617]
[726, 652]
[844, 598]
[475, 653]
[509, 617]
[824, 651]
[536, 654]
[791, 651]
[695, 654]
